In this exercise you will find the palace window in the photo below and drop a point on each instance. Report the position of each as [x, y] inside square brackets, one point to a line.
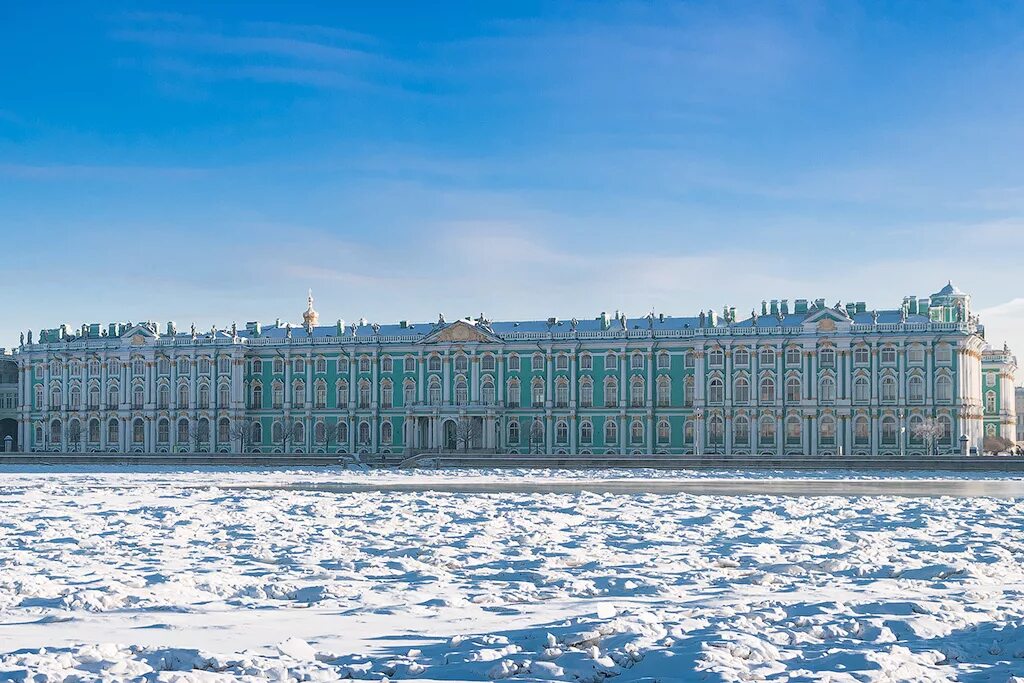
[793, 357]
[387, 433]
[342, 428]
[487, 391]
[487, 363]
[793, 429]
[689, 391]
[562, 362]
[827, 431]
[299, 393]
[741, 357]
[75, 398]
[611, 361]
[664, 431]
[946, 426]
[664, 389]
[163, 431]
[513, 395]
[138, 367]
[138, 397]
[364, 433]
[611, 430]
[990, 401]
[664, 360]
[888, 389]
[716, 391]
[944, 353]
[915, 389]
[888, 355]
[513, 362]
[538, 393]
[561, 393]
[386, 364]
[861, 390]
[716, 430]
[113, 366]
[94, 430]
[741, 431]
[387, 395]
[434, 391]
[257, 397]
[223, 395]
[278, 366]
[586, 432]
[277, 395]
[537, 362]
[767, 392]
[342, 364]
[183, 396]
[461, 363]
[636, 432]
[224, 430]
[827, 390]
[861, 356]
[461, 392]
[861, 430]
[113, 432]
[689, 432]
[943, 389]
[561, 432]
[257, 367]
[586, 361]
[636, 361]
[689, 359]
[364, 363]
[827, 357]
[889, 430]
[224, 365]
[741, 391]
[611, 392]
[204, 397]
[915, 355]
[637, 392]
[94, 367]
[586, 393]
[113, 399]
[513, 432]
[364, 394]
[410, 364]
[138, 431]
[716, 358]
[204, 366]
[767, 357]
[434, 363]
[409, 392]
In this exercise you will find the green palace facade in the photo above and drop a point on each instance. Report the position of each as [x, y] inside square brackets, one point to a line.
[805, 378]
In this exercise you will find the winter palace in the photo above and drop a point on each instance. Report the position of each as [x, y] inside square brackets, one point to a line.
[805, 378]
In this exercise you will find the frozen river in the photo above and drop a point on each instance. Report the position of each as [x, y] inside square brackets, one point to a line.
[107, 574]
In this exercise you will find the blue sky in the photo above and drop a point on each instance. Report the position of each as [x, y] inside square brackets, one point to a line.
[519, 159]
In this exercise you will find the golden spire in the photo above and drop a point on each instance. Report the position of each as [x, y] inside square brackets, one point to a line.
[310, 318]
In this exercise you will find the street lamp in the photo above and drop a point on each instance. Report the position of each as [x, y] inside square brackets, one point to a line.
[699, 433]
[903, 430]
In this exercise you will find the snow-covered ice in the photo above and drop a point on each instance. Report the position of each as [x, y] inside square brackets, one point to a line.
[223, 575]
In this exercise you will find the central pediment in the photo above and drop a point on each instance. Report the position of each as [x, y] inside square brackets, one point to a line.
[460, 331]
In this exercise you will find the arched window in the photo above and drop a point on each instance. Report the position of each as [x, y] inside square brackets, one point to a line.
[257, 433]
[183, 436]
[364, 394]
[741, 357]
[611, 392]
[461, 363]
[487, 391]
[298, 433]
[299, 393]
[562, 361]
[487, 363]
[561, 393]
[138, 431]
[513, 432]
[664, 389]
[946, 429]
[409, 392]
[861, 355]
[861, 431]
[741, 391]
[914, 429]
[716, 391]
[664, 431]
[827, 431]
[689, 359]
[364, 433]
[342, 431]
[257, 396]
[183, 366]
[716, 430]
[386, 364]
[163, 431]
[257, 366]
[320, 365]
[561, 432]
[513, 393]
[990, 401]
[888, 355]
[56, 397]
[636, 432]
[56, 432]
[741, 431]
[767, 357]
[461, 391]
[341, 391]
[387, 394]
[224, 430]
[636, 361]
[889, 389]
[827, 390]
[94, 430]
[94, 397]
[861, 390]
[664, 360]
[767, 391]
[766, 431]
[716, 358]
[943, 389]
[889, 430]
[434, 363]
[537, 393]
[204, 397]
[513, 362]
[138, 397]
[113, 433]
[183, 393]
[223, 395]
[793, 389]
[688, 391]
[793, 430]
[827, 357]
[637, 392]
[364, 363]
[537, 362]
[320, 432]
[386, 432]
[915, 389]
[204, 430]
[586, 432]
[277, 394]
[611, 430]
[434, 390]
[75, 398]
[611, 361]
[586, 361]
[343, 364]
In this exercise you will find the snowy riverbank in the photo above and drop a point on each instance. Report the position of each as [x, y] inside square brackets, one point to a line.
[109, 574]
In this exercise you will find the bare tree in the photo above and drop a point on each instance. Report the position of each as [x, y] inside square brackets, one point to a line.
[76, 435]
[198, 435]
[328, 435]
[536, 437]
[243, 431]
[996, 444]
[286, 439]
[467, 432]
[929, 430]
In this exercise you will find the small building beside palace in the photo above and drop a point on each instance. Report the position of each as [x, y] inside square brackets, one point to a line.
[800, 378]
